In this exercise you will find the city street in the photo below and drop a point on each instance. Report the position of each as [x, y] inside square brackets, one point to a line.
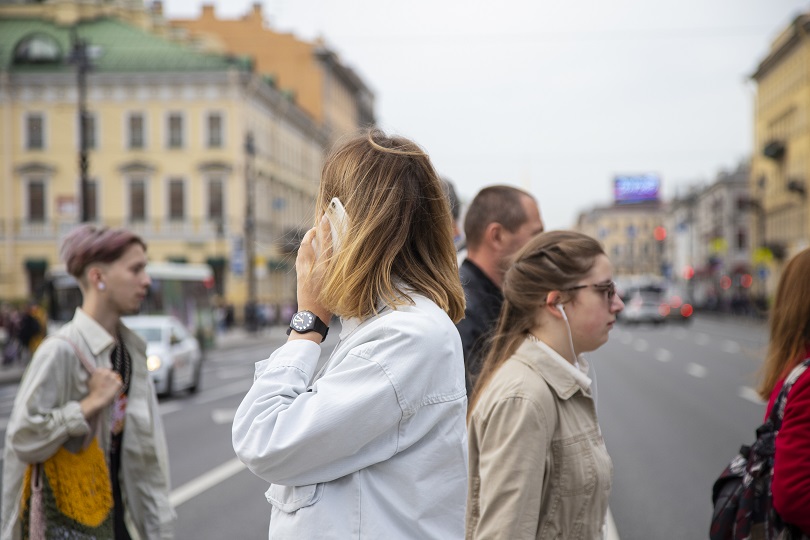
[675, 403]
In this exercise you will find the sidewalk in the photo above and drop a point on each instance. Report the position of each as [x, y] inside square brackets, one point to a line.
[232, 338]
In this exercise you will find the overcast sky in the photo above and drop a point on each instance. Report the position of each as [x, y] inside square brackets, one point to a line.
[555, 97]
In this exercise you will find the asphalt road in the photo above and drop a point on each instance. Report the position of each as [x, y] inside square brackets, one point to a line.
[675, 403]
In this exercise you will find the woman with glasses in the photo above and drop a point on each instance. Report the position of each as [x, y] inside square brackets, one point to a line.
[538, 464]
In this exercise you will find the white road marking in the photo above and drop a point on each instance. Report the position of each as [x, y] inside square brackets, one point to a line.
[223, 416]
[731, 347]
[612, 533]
[238, 387]
[696, 370]
[641, 345]
[748, 393]
[205, 482]
[627, 339]
[663, 355]
[701, 339]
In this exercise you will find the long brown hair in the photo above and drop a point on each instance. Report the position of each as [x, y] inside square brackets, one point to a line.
[400, 236]
[551, 261]
[789, 322]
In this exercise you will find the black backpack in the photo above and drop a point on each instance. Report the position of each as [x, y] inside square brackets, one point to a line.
[743, 503]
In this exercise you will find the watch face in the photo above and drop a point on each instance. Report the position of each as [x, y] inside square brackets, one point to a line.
[303, 320]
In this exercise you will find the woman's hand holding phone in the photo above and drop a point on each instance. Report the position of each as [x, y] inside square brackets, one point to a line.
[316, 243]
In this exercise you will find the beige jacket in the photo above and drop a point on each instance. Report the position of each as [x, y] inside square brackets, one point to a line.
[538, 465]
[47, 415]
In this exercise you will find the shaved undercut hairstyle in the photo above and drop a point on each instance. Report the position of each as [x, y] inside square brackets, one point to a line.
[89, 244]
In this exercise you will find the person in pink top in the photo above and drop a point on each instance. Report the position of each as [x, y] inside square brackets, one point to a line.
[789, 346]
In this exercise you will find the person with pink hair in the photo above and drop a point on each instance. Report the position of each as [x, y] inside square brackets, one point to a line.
[60, 401]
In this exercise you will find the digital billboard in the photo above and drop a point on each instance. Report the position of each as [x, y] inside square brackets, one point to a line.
[636, 188]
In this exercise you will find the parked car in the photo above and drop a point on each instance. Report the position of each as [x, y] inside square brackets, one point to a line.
[173, 354]
[644, 304]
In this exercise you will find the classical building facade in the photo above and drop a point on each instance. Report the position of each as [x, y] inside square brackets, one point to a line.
[780, 169]
[167, 130]
[630, 234]
[322, 85]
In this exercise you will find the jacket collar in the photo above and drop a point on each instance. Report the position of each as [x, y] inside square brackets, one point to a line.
[98, 339]
[559, 377]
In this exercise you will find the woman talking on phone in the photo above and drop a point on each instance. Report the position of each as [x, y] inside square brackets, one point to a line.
[538, 464]
[374, 444]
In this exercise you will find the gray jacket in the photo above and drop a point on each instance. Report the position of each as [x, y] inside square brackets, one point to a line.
[538, 465]
[47, 416]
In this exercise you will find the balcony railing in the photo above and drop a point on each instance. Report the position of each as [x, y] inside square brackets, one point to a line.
[191, 230]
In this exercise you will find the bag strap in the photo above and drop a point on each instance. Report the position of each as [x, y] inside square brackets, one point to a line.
[778, 410]
[88, 365]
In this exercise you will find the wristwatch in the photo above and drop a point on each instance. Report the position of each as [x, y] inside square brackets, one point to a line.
[306, 321]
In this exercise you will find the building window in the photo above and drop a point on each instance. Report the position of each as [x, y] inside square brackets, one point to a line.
[215, 129]
[175, 126]
[136, 131]
[216, 194]
[137, 199]
[36, 200]
[742, 240]
[35, 131]
[176, 199]
[90, 131]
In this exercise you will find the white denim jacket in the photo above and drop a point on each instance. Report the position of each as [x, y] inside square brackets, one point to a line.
[47, 415]
[375, 446]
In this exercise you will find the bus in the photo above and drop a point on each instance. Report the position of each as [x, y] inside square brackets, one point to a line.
[179, 289]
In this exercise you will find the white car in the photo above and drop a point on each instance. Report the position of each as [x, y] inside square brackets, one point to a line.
[173, 355]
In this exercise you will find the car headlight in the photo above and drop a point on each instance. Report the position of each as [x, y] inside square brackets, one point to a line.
[153, 362]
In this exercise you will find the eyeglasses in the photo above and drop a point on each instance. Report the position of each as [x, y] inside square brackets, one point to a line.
[608, 288]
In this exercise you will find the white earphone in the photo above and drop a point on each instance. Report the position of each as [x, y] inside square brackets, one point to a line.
[562, 311]
[101, 286]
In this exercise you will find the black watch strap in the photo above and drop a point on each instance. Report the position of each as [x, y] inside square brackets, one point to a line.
[317, 326]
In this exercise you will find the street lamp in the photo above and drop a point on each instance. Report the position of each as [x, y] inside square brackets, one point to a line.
[250, 233]
[80, 57]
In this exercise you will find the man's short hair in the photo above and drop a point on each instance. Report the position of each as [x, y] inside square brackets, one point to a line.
[455, 209]
[494, 204]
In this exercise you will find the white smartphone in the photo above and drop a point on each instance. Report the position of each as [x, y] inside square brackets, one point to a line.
[338, 221]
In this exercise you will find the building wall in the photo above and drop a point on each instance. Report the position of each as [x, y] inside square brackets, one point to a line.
[296, 66]
[286, 168]
[627, 234]
[782, 114]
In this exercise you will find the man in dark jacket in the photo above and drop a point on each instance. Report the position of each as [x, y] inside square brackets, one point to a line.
[499, 221]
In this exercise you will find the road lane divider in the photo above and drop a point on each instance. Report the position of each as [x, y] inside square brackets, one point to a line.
[696, 370]
[731, 347]
[701, 339]
[641, 345]
[749, 394]
[663, 355]
[203, 483]
[223, 416]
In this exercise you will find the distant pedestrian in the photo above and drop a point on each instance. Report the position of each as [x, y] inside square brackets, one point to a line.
[59, 403]
[789, 346]
[373, 445]
[499, 221]
[538, 464]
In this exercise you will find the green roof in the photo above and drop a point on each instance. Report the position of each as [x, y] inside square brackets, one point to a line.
[122, 48]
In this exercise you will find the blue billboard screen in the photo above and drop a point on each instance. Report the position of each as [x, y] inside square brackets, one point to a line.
[636, 188]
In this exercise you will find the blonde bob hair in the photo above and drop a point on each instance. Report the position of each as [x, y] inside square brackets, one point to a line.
[400, 236]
